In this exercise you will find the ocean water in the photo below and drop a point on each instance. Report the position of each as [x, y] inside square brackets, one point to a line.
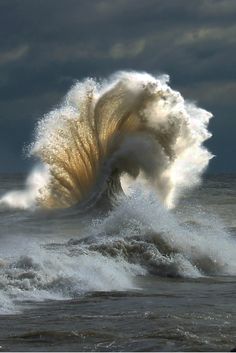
[133, 277]
[104, 245]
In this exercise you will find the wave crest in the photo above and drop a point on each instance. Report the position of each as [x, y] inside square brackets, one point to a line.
[131, 124]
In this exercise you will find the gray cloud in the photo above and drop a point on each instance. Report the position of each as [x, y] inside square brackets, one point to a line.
[47, 45]
[13, 54]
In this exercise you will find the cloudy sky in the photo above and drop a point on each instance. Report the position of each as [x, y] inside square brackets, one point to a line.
[46, 45]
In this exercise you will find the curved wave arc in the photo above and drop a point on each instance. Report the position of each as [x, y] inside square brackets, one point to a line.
[132, 124]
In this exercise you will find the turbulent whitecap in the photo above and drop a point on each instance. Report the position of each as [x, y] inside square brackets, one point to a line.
[131, 124]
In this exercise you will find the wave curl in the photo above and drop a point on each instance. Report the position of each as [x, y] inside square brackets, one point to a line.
[131, 124]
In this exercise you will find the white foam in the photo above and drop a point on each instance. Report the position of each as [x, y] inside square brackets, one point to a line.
[194, 236]
[37, 274]
[27, 198]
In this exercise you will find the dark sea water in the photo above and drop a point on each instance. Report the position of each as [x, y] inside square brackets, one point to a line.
[136, 278]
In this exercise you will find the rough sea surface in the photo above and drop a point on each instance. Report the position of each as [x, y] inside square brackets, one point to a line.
[137, 277]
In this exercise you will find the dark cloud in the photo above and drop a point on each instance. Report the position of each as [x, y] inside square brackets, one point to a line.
[47, 45]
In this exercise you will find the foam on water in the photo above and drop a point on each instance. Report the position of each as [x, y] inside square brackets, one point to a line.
[195, 238]
[58, 273]
[139, 237]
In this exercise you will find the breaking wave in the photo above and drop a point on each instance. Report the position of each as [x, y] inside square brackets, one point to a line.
[137, 239]
[135, 142]
[132, 124]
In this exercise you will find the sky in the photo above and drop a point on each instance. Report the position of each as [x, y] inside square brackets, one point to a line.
[47, 45]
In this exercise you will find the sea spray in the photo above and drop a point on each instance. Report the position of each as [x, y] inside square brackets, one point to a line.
[131, 124]
[27, 199]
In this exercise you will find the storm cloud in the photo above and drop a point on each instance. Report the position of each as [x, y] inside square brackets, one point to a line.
[47, 45]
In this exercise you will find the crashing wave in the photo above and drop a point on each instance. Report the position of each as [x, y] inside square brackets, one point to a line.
[132, 124]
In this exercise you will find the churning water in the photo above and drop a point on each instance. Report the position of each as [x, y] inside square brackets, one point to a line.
[106, 247]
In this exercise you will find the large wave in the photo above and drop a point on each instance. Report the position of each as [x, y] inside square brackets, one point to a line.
[130, 124]
[134, 133]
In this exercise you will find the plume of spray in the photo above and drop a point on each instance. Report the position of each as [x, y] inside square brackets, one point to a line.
[25, 199]
[131, 124]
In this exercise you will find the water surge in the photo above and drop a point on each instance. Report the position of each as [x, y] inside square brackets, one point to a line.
[132, 124]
